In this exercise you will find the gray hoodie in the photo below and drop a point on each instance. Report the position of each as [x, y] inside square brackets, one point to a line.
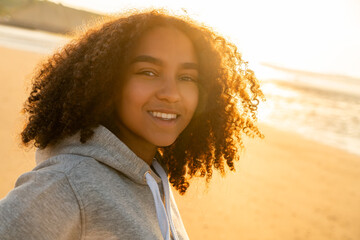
[97, 190]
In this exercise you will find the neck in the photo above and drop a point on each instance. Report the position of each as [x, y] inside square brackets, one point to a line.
[143, 149]
[145, 152]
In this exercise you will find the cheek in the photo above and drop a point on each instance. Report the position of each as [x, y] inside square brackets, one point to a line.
[191, 98]
[127, 105]
[133, 95]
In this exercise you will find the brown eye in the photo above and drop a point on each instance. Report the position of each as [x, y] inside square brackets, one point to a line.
[147, 73]
[188, 78]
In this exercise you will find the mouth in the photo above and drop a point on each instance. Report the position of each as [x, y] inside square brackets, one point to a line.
[164, 116]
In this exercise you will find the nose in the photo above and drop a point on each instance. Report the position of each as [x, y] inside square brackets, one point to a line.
[169, 90]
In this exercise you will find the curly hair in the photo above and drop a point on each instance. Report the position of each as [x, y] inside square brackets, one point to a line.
[73, 91]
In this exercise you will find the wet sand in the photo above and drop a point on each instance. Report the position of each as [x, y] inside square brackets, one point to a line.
[285, 187]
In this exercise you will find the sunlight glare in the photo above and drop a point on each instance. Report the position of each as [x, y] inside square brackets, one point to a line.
[319, 35]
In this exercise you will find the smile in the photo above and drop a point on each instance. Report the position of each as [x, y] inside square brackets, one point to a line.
[164, 116]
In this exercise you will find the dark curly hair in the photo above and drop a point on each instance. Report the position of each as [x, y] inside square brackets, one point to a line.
[73, 91]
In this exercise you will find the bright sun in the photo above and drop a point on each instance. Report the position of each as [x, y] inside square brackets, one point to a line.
[314, 35]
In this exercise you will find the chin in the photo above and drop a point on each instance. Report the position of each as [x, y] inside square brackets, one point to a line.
[164, 142]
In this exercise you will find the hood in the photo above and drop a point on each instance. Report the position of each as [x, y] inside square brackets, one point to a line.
[106, 148]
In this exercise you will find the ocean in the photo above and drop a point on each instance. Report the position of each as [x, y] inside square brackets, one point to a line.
[325, 115]
[322, 107]
[30, 40]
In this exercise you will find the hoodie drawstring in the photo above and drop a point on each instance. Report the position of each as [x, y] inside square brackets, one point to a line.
[163, 213]
[160, 210]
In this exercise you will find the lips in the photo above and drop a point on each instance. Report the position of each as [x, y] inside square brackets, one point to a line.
[164, 115]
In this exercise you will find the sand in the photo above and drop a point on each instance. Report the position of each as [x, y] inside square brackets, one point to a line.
[285, 187]
[15, 67]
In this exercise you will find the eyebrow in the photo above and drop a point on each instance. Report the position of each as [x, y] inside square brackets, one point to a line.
[156, 61]
[146, 58]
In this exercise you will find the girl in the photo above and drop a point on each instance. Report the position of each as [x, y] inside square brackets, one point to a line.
[114, 114]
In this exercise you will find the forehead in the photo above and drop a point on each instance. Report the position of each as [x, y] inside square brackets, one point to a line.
[166, 43]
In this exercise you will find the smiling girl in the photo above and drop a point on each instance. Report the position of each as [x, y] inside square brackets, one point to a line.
[136, 101]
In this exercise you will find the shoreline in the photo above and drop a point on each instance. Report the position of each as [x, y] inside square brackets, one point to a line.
[285, 186]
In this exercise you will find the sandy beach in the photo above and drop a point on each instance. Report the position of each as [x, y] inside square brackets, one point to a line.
[285, 187]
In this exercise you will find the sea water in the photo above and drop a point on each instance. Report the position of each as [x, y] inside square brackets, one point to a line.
[330, 116]
[30, 40]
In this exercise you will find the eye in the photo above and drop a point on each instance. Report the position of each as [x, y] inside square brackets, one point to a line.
[148, 73]
[188, 78]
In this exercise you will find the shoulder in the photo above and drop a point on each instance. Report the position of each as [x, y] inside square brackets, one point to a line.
[88, 178]
[42, 205]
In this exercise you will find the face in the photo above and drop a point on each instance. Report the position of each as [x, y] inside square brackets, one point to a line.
[160, 91]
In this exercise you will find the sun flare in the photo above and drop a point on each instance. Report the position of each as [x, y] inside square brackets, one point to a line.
[319, 36]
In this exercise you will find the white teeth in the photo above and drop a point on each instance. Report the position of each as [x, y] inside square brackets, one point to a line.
[165, 116]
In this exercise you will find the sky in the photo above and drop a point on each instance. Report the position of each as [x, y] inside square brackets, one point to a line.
[311, 35]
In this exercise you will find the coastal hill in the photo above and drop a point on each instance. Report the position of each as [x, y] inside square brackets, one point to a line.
[43, 15]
